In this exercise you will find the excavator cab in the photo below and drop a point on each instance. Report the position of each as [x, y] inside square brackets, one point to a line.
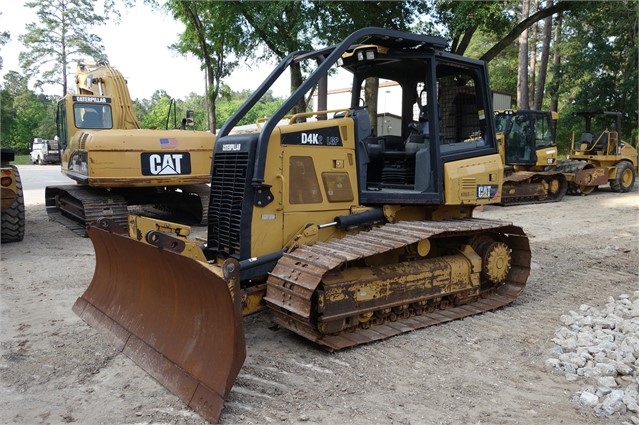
[348, 225]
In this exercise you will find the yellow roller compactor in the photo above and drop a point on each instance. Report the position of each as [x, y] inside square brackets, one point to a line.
[345, 236]
[116, 164]
[600, 158]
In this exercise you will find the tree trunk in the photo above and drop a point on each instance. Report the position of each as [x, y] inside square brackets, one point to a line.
[371, 91]
[296, 81]
[554, 86]
[533, 37]
[522, 71]
[543, 61]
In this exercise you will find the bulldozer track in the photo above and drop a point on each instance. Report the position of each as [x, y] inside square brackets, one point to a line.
[293, 285]
[533, 187]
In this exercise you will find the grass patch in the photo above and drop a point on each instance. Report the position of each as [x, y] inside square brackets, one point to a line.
[22, 160]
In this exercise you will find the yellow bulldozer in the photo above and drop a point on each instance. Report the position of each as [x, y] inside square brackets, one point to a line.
[600, 158]
[530, 149]
[346, 237]
[116, 164]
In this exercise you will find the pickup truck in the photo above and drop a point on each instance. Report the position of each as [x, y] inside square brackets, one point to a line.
[45, 151]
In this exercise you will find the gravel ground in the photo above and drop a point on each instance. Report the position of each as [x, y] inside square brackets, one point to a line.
[528, 363]
[600, 347]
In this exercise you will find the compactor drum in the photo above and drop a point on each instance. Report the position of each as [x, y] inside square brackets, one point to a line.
[345, 233]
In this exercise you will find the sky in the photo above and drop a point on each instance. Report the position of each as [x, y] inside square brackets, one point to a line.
[138, 48]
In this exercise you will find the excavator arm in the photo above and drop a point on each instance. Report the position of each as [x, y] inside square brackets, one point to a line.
[102, 79]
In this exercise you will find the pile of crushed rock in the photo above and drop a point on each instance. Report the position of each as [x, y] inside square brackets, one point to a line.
[600, 348]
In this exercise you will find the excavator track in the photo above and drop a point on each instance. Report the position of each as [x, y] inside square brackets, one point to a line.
[76, 207]
[325, 293]
[526, 187]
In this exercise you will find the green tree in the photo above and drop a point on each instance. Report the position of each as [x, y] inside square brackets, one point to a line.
[266, 107]
[61, 35]
[5, 36]
[214, 35]
[599, 69]
[25, 115]
[157, 114]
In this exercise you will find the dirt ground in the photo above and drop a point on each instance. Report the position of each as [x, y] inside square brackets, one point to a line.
[487, 369]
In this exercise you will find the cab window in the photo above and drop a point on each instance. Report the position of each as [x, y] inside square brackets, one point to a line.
[92, 116]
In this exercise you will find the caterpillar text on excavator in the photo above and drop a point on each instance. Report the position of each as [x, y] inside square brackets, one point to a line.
[116, 164]
[530, 148]
[346, 237]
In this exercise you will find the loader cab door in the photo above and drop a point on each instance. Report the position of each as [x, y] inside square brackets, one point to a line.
[396, 158]
[62, 127]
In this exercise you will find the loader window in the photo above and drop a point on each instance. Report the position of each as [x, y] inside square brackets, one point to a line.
[304, 187]
[337, 186]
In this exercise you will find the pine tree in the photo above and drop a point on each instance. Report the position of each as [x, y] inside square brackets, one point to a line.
[61, 35]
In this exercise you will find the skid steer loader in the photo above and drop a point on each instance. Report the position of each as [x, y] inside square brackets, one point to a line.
[345, 236]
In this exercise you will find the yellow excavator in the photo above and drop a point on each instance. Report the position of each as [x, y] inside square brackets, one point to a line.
[530, 148]
[346, 237]
[116, 164]
[600, 158]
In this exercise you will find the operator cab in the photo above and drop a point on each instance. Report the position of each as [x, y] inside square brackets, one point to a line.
[526, 132]
[437, 120]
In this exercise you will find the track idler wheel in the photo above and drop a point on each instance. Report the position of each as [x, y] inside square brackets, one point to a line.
[496, 258]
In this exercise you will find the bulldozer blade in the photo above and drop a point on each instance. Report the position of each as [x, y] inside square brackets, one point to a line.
[174, 316]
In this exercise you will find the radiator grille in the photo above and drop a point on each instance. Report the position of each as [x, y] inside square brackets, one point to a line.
[228, 184]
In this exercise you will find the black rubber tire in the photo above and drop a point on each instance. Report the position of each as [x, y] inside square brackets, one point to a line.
[13, 218]
[625, 178]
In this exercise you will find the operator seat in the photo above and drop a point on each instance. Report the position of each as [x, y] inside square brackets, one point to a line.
[91, 120]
